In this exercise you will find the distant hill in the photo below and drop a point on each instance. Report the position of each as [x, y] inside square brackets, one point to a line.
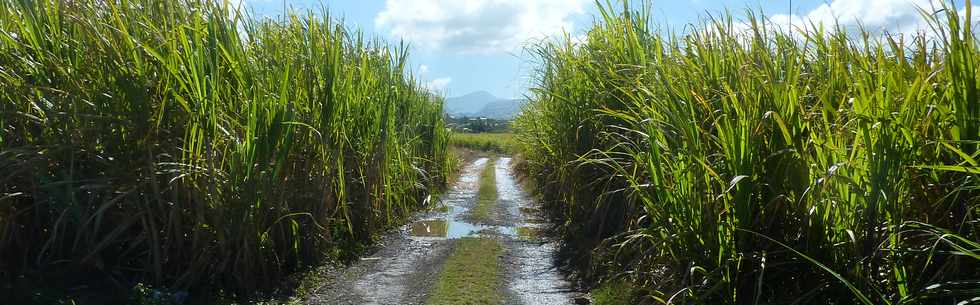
[483, 104]
[470, 103]
[501, 109]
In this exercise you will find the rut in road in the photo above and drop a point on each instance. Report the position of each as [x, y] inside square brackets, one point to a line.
[408, 263]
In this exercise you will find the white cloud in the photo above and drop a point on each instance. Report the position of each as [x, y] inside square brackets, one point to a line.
[477, 26]
[439, 84]
[876, 16]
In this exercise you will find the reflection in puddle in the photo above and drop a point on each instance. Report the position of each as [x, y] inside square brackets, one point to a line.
[442, 228]
[449, 221]
[428, 228]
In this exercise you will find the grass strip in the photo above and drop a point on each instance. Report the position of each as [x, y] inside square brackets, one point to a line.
[471, 275]
[503, 143]
[486, 198]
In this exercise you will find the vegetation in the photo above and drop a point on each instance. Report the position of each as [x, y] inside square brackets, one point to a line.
[486, 196]
[471, 275]
[612, 293]
[182, 145]
[478, 125]
[502, 143]
[742, 164]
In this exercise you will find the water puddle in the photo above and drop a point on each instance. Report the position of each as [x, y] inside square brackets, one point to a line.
[451, 226]
[429, 228]
[448, 222]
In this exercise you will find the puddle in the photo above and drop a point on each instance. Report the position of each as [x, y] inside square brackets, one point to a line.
[428, 228]
[451, 226]
[443, 229]
[448, 222]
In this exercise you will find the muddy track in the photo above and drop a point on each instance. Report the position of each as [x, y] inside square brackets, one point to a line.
[407, 263]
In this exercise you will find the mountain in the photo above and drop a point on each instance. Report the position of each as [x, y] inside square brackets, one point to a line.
[469, 104]
[483, 104]
[501, 109]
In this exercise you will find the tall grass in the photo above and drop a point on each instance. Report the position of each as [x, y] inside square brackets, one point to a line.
[738, 163]
[184, 145]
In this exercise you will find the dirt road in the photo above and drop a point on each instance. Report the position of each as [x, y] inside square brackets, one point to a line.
[408, 262]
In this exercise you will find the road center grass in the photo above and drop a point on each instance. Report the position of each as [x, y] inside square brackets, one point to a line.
[471, 275]
[486, 198]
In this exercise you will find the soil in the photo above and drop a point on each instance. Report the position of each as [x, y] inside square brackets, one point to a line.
[407, 262]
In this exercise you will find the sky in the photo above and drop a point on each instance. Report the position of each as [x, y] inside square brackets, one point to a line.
[462, 46]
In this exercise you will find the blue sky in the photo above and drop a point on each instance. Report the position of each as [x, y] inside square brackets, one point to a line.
[461, 46]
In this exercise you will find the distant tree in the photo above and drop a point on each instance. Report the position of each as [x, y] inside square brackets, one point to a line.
[478, 124]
